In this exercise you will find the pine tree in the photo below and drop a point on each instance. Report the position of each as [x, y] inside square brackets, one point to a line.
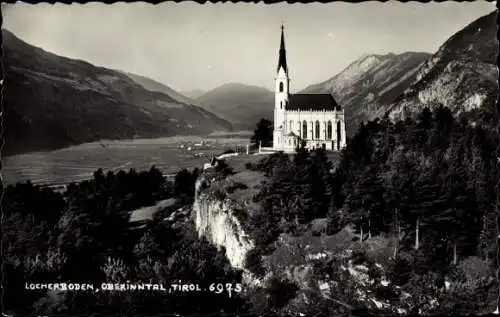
[485, 193]
[421, 198]
[455, 217]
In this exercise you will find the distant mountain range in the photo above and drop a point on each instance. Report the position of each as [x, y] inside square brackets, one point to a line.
[369, 83]
[52, 101]
[462, 75]
[240, 104]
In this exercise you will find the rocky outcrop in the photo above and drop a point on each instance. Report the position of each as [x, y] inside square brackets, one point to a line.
[214, 219]
[371, 83]
[462, 75]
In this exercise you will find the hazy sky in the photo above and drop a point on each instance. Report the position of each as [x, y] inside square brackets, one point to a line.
[194, 46]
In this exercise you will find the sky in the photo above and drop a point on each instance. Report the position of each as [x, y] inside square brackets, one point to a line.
[191, 46]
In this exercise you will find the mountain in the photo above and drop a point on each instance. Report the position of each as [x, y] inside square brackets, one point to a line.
[193, 94]
[52, 102]
[153, 85]
[242, 105]
[369, 83]
[462, 75]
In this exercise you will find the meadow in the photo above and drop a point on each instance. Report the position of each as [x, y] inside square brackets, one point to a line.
[77, 163]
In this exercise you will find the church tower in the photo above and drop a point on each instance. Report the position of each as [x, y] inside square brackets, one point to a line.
[281, 93]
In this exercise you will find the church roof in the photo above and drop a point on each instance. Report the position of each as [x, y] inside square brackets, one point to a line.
[315, 102]
[282, 58]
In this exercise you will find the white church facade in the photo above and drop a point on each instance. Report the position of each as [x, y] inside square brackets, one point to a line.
[315, 120]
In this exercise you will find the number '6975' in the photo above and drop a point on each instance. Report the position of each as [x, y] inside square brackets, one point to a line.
[228, 287]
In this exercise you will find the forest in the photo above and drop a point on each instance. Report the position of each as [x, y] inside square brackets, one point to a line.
[429, 183]
[84, 235]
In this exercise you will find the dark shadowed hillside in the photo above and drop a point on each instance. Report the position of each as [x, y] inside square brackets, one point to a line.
[370, 83]
[52, 102]
[241, 105]
[462, 75]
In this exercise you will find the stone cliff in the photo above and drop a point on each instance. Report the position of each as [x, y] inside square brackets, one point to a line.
[214, 219]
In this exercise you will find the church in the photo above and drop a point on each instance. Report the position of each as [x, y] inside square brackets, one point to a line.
[315, 120]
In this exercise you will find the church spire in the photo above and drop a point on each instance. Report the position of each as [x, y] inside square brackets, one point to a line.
[282, 58]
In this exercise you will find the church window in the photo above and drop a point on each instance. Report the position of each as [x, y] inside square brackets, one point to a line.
[291, 126]
[304, 129]
[281, 86]
[316, 128]
[338, 134]
[329, 131]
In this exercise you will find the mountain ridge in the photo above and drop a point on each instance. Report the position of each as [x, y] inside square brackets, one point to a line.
[462, 75]
[52, 101]
[370, 82]
[241, 104]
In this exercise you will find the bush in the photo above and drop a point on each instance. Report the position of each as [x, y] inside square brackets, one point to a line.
[401, 270]
[335, 223]
[280, 292]
[253, 262]
[235, 186]
[223, 168]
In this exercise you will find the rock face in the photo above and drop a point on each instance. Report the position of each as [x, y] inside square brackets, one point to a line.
[462, 75]
[370, 83]
[214, 219]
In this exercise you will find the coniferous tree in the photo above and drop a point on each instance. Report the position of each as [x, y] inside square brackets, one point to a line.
[263, 133]
[420, 199]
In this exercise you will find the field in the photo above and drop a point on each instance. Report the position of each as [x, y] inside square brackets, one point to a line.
[79, 162]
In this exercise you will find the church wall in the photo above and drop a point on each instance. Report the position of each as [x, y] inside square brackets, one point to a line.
[311, 117]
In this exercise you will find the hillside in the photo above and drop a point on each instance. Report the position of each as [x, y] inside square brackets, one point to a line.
[153, 85]
[462, 75]
[242, 105]
[52, 102]
[193, 94]
[370, 83]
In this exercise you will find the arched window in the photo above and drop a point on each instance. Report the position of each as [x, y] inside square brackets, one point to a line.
[304, 129]
[339, 135]
[281, 86]
[329, 131]
[316, 128]
[291, 126]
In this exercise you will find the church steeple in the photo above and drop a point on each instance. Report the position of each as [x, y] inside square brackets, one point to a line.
[282, 58]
